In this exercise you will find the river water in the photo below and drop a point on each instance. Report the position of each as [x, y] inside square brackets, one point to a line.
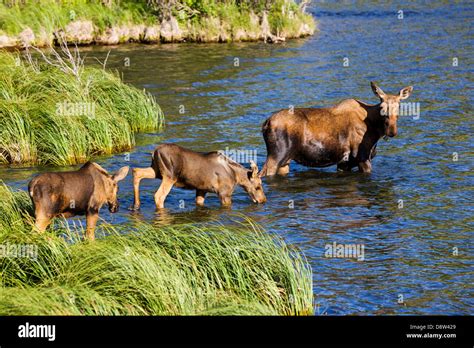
[412, 215]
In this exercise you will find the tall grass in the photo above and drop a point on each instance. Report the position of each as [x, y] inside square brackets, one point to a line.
[48, 116]
[198, 20]
[148, 270]
[53, 14]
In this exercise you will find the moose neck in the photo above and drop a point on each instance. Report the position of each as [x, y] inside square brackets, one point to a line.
[375, 121]
[98, 175]
[240, 174]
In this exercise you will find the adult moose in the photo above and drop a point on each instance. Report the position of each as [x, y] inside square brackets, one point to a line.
[345, 134]
[79, 192]
[203, 172]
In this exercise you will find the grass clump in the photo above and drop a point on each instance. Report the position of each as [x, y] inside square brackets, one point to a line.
[148, 270]
[55, 116]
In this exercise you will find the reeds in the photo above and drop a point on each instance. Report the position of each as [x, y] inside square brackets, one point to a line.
[148, 270]
[50, 116]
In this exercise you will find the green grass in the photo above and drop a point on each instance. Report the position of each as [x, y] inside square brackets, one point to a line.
[287, 25]
[104, 115]
[197, 18]
[52, 14]
[148, 270]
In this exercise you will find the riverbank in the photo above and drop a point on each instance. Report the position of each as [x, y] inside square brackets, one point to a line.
[56, 111]
[146, 270]
[24, 23]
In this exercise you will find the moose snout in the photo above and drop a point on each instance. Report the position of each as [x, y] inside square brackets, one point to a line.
[392, 131]
[114, 207]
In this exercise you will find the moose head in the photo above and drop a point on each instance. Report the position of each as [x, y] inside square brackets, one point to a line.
[389, 107]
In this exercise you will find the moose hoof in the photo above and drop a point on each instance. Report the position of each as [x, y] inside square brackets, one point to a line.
[134, 207]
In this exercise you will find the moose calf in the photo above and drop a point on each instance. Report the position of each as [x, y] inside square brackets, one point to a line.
[73, 193]
[203, 172]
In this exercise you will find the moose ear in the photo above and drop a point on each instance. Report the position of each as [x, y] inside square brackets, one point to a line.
[405, 92]
[254, 169]
[121, 174]
[377, 90]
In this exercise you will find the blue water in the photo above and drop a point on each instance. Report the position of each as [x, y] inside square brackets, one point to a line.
[418, 259]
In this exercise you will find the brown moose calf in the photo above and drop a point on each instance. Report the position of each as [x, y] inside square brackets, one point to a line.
[79, 192]
[203, 172]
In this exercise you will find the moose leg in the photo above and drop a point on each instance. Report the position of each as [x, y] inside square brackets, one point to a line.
[273, 165]
[270, 167]
[343, 167]
[284, 169]
[91, 221]
[278, 144]
[225, 195]
[347, 166]
[200, 196]
[343, 164]
[373, 152]
[365, 166]
[226, 200]
[138, 175]
[163, 190]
